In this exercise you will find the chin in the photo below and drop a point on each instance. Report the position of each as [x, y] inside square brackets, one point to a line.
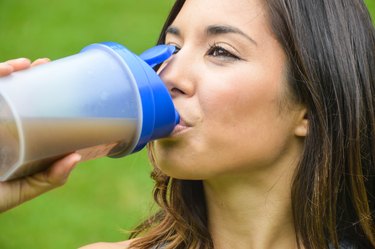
[177, 169]
[176, 159]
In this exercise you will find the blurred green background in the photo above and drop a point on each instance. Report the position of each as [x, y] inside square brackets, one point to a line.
[106, 196]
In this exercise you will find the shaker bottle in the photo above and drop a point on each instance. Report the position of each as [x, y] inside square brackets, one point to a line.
[103, 101]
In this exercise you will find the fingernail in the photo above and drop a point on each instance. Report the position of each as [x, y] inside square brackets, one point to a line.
[5, 68]
[77, 157]
[19, 60]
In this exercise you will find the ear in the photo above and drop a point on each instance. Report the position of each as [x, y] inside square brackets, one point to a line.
[302, 124]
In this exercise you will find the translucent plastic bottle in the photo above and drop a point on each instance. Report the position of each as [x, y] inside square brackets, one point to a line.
[103, 101]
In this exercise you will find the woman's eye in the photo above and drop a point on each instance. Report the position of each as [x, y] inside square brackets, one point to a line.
[177, 49]
[218, 51]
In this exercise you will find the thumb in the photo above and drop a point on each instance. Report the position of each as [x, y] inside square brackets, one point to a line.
[15, 192]
[51, 178]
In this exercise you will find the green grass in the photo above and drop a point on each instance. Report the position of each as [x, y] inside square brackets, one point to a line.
[104, 196]
[371, 5]
[101, 198]
[52, 28]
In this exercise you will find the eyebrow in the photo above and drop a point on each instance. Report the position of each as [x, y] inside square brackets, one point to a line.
[173, 31]
[213, 30]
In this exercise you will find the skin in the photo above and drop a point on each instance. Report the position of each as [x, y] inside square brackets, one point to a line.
[109, 245]
[241, 133]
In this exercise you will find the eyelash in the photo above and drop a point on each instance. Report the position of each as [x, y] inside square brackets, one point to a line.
[177, 48]
[215, 48]
[221, 52]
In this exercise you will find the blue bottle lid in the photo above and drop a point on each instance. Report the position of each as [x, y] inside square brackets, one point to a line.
[159, 116]
[157, 55]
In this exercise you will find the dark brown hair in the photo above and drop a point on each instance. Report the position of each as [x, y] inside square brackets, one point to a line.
[330, 45]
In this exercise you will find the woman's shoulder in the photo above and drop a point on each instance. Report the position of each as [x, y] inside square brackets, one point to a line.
[109, 245]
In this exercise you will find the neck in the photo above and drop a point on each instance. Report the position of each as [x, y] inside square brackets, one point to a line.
[251, 210]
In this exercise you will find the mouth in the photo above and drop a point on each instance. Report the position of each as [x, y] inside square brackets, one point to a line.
[181, 127]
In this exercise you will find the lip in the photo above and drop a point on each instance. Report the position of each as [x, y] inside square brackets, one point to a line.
[181, 127]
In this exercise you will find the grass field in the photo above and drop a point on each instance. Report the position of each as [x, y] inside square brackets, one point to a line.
[105, 196]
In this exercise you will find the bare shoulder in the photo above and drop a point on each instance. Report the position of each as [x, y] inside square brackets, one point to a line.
[109, 245]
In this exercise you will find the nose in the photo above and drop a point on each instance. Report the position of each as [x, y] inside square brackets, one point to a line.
[178, 76]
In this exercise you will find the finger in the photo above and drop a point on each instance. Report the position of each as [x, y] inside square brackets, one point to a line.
[15, 192]
[53, 177]
[5, 69]
[59, 171]
[40, 62]
[19, 64]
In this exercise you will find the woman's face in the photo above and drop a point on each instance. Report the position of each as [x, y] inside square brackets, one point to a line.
[228, 82]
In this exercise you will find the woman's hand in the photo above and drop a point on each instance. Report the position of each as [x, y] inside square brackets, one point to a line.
[11, 66]
[17, 191]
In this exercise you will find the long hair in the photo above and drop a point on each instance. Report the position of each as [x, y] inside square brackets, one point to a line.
[330, 46]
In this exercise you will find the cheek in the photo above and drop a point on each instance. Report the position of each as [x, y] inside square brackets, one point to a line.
[245, 94]
[242, 120]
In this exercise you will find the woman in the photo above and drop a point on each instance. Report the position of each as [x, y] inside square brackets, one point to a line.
[276, 144]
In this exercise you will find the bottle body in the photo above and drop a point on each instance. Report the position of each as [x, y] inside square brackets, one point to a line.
[92, 103]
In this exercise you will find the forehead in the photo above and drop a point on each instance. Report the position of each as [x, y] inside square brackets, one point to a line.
[239, 13]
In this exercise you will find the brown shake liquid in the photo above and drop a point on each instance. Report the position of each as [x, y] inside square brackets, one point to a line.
[49, 139]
